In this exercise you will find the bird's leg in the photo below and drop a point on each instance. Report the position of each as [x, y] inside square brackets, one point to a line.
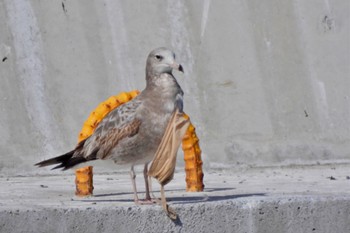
[151, 190]
[148, 185]
[169, 211]
[133, 176]
[148, 199]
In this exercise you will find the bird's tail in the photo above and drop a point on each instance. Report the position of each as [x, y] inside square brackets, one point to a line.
[64, 161]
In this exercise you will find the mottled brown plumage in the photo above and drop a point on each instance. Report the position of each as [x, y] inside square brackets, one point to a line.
[132, 133]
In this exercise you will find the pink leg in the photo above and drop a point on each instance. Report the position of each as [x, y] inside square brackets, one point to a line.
[145, 176]
[148, 183]
[169, 211]
[133, 176]
[137, 201]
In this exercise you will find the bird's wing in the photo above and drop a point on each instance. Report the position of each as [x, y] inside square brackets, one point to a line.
[163, 165]
[120, 123]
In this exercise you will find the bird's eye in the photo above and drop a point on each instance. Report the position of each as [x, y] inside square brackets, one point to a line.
[159, 58]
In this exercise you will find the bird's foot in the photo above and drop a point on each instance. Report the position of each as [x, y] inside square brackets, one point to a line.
[146, 201]
[171, 213]
[156, 200]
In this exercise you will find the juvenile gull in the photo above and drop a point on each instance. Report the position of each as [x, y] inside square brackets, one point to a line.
[132, 133]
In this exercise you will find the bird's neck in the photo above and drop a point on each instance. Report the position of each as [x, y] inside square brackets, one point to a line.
[165, 90]
[165, 85]
[161, 81]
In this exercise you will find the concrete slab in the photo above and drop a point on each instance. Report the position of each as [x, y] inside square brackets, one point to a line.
[301, 199]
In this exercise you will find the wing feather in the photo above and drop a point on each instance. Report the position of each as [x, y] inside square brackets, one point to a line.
[120, 123]
[163, 165]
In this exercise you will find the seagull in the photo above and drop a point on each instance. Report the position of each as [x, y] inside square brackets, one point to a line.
[132, 133]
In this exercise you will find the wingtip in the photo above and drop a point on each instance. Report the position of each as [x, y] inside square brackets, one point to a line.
[58, 166]
[40, 164]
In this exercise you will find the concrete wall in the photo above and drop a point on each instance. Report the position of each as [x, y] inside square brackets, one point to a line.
[266, 82]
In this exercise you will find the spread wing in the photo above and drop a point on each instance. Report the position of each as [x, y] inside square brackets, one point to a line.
[163, 165]
[119, 124]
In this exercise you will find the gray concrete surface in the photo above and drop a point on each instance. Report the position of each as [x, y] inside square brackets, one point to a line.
[266, 82]
[272, 200]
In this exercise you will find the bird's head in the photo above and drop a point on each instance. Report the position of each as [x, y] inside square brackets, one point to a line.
[162, 60]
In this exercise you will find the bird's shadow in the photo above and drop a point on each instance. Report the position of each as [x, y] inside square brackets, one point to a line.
[178, 199]
[112, 194]
[182, 200]
[200, 199]
[168, 190]
[177, 221]
[209, 190]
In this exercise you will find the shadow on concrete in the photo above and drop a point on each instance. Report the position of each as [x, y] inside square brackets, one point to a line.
[207, 198]
[177, 221]
[113, 194]
[167, 190]
[217, 189]
[179, 200]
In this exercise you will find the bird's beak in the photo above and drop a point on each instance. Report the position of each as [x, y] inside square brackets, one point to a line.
[177, 67]
[181, 69]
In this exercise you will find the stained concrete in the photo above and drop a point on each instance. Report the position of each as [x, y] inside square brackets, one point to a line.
[301, 199]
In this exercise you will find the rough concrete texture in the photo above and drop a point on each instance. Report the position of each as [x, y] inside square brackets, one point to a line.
[266, 83]
[274, 200]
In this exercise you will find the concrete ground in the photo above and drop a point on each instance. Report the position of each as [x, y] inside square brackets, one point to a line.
[275, 200]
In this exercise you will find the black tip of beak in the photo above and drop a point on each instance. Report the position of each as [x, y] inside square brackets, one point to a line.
[181, 69]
